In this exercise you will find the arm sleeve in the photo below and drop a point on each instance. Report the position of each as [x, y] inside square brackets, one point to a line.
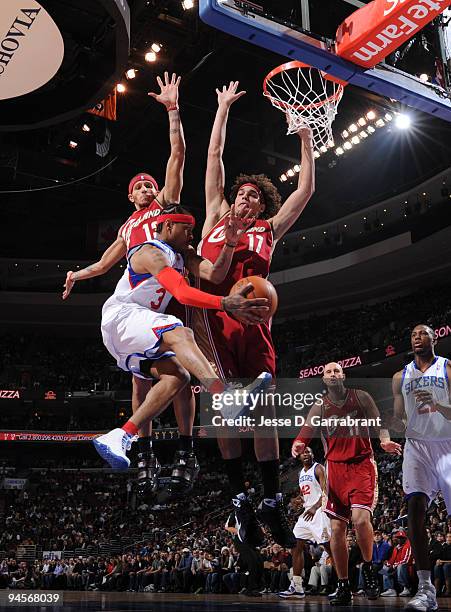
[305, 435]
[174, 282]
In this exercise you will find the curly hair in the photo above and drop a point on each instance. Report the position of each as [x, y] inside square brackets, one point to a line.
[271, 197]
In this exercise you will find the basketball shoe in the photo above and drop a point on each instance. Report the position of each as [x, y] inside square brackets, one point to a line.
[237, 402]
[273, 514]
[185, 471]
[292, 592]
[248, 529]
[342, 596]
[148, 471]
[112, 447]
[370, 581]
[424, 600]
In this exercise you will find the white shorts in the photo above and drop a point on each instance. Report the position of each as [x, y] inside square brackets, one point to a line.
[317, 530]
[132, 333]
[426, 468]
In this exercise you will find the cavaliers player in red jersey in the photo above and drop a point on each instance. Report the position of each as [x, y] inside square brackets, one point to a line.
[351, 471]
[236, 350]
[148, 200]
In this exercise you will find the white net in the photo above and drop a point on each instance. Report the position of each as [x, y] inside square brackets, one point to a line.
[308, 97]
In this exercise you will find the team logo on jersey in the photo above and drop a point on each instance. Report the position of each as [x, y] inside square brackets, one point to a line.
[424, 381]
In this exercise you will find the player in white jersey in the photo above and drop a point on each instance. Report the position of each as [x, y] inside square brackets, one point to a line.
[313, 525]
[136, 329]
[422, 405]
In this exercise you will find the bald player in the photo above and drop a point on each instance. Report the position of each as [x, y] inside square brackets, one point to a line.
[351, 472]
[421, 392]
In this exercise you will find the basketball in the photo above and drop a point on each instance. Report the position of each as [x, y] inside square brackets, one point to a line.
[262, 289]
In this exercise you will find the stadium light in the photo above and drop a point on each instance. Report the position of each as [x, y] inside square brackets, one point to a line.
[380, 123]
[371, 115]
[339, 151]
[73, 144]
[187, 4]
[156, 47]
[323, 149]
[283, 178]
[345, 133]
[290, 172]
[355, 140]
[85, 127]
[120, 87]
[424, 77]
[353, 127]
[347, 145]
[362, 121]
[131, 73]
[363, 134]
[370, 129]
[316, 154]
[297, 168]
[402, 121]
[150, 56]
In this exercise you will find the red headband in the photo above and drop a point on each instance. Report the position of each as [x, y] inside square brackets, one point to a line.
[254, 186]
[142, 177]
[176, 218]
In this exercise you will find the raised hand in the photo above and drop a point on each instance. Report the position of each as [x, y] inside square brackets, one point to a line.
[246, 310]
[235, 227]
[228, 95]
[169, 94]
[68, 285]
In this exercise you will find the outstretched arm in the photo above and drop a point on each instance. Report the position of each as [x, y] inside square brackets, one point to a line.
[307, 431]
[169, 96]
[296, 202]
[372, 412]
[234, 227]
[215, 201]
[111, 257]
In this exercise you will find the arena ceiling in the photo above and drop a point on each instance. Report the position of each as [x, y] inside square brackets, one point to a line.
[41, 158]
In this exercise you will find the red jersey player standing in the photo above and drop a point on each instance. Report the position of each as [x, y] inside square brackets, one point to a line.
[351, 472]
[149, 201]
[238, 350]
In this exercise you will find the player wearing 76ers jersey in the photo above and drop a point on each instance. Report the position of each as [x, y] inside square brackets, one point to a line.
[149, 201]
[235, 349]
[351, 472]
[422, 394]
[136, 330]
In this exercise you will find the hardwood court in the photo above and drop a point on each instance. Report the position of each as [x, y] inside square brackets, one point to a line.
[180, 602]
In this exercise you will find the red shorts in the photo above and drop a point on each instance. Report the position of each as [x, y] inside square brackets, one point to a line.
[350, 485]
[233, 349]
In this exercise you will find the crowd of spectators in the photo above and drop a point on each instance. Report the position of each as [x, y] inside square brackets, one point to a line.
[37, 362]
[81, 517]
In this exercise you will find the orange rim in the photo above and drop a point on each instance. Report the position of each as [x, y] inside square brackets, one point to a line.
[296, 64]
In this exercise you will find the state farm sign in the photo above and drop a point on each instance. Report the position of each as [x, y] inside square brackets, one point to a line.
[374, 31]
[31, 47]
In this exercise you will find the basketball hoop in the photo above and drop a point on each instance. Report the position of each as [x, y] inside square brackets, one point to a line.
[308, 96]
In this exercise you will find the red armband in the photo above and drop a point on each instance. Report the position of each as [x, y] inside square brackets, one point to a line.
[174, 282]
[305, 435]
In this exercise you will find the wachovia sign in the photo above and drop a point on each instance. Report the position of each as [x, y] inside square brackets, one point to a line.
[31, 47]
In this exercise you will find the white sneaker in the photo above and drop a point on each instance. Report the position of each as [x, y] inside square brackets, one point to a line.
[112, 447]
[425, 599]
[405, 592]
[389, 593]
[239, 401]
[292, 593]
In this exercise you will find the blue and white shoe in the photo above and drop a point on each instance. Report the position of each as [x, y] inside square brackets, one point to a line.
[425, 600]
[112, 447]
[240, 400]
[292, 593]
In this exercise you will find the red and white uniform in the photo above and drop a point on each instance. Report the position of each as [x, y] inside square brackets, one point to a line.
[234, 349]
[351, 470]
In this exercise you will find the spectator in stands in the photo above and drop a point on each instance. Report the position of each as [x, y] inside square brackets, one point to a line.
[320, 574]
[396, 569]
[442, 569]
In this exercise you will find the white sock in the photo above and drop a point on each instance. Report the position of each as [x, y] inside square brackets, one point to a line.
[297, 581]
[424, 577]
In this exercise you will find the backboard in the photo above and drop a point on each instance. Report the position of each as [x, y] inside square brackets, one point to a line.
[304, 30]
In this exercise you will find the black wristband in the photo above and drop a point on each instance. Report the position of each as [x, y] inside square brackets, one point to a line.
[230, 245]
